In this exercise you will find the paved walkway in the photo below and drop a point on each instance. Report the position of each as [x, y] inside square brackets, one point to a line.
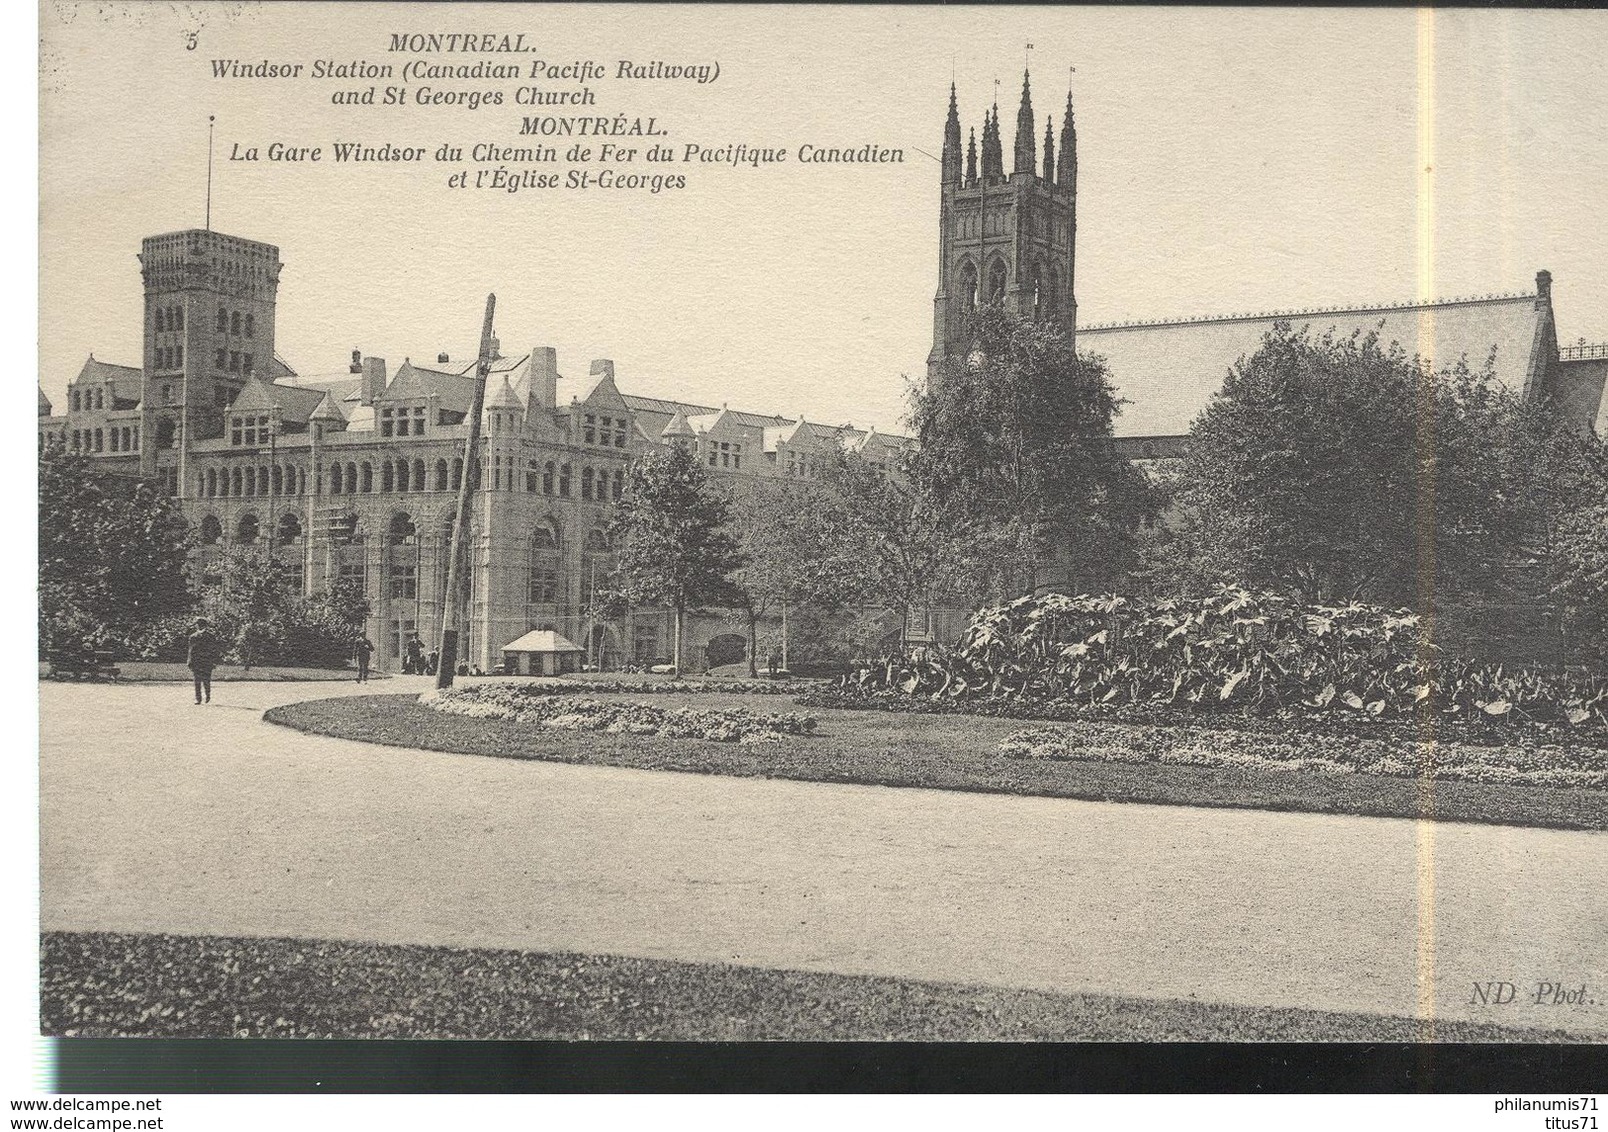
[157, 815]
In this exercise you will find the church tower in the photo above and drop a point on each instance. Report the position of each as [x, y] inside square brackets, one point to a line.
[209, 326]
[1005, 238]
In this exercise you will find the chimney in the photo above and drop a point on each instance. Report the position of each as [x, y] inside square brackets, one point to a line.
[496, 347]
[442, 359]
[373, 379]
[543, 378]
[603, 367]
[357, 362]
[1543, 289]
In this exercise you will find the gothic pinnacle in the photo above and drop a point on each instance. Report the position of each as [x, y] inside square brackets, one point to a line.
[1024, 130]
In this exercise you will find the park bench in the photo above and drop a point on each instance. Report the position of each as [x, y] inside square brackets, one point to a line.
[81, 664]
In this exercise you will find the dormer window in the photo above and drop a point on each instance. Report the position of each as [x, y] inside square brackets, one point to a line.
[402, 422]
[250, 432]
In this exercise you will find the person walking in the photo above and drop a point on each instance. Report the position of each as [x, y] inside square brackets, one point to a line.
[415, 655]
[203, 658]
[364, 649]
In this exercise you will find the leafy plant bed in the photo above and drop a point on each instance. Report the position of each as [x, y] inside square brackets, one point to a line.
[946, 753]
[1472, 730]
[96, 984]
[539, 705]
[1570, 768]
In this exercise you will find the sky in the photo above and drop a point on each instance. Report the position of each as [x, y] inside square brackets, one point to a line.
[1229, 161]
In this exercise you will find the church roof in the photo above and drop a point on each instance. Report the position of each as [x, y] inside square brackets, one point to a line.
[45, 407]
[1169, 370]
[294, 402]
[455, 391]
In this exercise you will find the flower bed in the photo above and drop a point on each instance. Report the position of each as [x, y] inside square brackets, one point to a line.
[1569, 766]
[571, 687]
[562, 710]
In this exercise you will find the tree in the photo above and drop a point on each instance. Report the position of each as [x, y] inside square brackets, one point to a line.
[670, 528]
[897, 551]
[1015, 445]
[792, 554]
[112, 554]
[1334, 469]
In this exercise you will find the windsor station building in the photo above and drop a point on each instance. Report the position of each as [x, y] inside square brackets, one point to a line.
[354, 475]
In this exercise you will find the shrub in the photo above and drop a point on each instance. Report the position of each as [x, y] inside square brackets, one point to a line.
[547, 707]
[1231, 651]
[664, 687]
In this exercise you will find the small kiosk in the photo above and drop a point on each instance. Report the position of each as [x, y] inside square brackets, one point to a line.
[541, 652]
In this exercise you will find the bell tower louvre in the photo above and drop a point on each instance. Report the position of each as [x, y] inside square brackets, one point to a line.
[1005, 238]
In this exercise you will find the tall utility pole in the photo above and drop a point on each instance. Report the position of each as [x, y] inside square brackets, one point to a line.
[457, 574]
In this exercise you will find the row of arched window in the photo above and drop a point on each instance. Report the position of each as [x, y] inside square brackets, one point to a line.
[232, 322]
[169, 318]
[168, 357]
[84, 400]
[1043, 287]
[244, 482]
[123, 438]
[394, 475]
[248, 530]
[551, 478]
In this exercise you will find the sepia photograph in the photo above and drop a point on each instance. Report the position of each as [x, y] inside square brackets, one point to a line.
[832, 524]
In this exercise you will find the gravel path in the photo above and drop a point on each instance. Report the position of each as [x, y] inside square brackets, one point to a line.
[157, 815]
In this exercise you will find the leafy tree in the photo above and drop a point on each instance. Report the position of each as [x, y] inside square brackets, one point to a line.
[112, 554]
[792, 554]
[1015, 447]
[674, 549]
[894, 549]
[1334, 469]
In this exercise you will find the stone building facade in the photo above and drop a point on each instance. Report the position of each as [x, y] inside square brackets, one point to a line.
[355, 475]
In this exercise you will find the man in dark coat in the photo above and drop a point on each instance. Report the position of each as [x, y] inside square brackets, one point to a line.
[203, 658]
[365, 649]
[415, 655]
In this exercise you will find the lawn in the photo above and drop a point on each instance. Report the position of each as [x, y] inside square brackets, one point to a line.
[102, 985]
[944, 752]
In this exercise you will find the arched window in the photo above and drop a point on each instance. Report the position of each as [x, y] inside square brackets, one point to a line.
[335, 479]
[1052, 296]
[441, 475]
[419, 483]
[388, 476]
[545, 566]
[234, 323]
[72, 400]
[597, 564]
[246, 529]
[996, 281]
[262, 481]
[457, 472]
[211, 530]
[547, 478]
[251, 325]
[586, 483]
[112, 438]
[619, 484]
[99, 440]
[235, 489]
[401, 556]
[278, 483]
[968, 285]
[404, 476]
[289, 530]
[301, 481]
[365, 483]
[223, 320]
[100, 398]
[178, 318]
[1040, 304]
[161, 320]
[564, 480]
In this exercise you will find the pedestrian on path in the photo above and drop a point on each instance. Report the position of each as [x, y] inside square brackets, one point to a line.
[203, 658]
[364, 649]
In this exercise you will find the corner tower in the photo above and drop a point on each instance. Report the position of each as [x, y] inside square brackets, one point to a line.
[209, 325]
[1002, 238]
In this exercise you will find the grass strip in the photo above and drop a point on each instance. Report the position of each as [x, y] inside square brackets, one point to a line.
[945, 753]
[97, 984]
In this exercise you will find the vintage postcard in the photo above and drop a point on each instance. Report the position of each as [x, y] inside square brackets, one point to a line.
[823, 523]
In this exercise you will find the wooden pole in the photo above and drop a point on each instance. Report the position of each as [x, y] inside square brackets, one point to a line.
[456, 569]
